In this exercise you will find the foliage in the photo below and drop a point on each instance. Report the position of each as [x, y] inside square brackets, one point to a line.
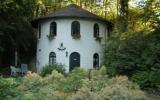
[119, 88]
[49, 68]
[75, 80]
[8, 88]
[35, 87]
[75, 86]
[84, 94]
[136, 57]
[133, 48]
[135, 53]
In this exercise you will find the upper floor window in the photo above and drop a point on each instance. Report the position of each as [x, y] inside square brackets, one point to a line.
[39, 30]
[53, 29]
[75, 29]
[52, 58]
[96, 30]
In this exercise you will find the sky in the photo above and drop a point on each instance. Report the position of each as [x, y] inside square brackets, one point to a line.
[134, 3]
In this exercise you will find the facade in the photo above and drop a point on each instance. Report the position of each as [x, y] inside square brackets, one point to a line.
[71, 36]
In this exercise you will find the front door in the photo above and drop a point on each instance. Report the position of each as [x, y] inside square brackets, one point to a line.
[74, 60]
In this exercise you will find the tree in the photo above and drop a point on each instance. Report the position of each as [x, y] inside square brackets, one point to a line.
[15, 17]
[135, 52]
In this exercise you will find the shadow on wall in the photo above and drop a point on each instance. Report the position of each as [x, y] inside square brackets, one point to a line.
[32, 65]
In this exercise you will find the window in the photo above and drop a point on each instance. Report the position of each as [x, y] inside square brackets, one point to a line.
[39, 30]
[95, 60]
[53, 29]
[52, 58]
[96, 30]
[75, 29]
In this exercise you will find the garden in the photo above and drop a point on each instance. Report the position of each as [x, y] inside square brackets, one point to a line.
[79, 84]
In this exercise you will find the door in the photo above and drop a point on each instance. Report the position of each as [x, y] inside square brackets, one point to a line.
[74, 60]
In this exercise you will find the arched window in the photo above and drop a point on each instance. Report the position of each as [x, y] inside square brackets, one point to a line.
[52, 58]
[75, 29]
[53, 29]
[96, 30]
[95, 60]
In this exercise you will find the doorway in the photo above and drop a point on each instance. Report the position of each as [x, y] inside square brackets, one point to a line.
[74, 60]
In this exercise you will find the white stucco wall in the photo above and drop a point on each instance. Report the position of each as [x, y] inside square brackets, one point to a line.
[86, 46]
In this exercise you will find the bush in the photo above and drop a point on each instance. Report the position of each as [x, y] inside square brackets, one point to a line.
[75, 86]
[75, 80]
[98, 79]
[8, 88]
[137, 56]
[49, 68]
[142, 78]
[119, 88]
[84, 94]
[34, 87]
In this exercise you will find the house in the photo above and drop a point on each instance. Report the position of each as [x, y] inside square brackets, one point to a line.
[71, 36]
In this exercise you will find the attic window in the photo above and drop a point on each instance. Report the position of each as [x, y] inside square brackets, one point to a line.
[75, 29]
[96, 30]
[53, 29]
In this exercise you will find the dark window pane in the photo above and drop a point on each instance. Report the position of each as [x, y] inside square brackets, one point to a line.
[75, 28]
[95, 60]
[96, 30]
[53, 29]
[52, 58]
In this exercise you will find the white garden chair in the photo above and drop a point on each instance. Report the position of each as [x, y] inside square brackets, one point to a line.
[13, 71]
[24, 69]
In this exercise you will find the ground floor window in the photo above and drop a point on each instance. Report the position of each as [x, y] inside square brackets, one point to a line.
[52, 58]
[95, 60]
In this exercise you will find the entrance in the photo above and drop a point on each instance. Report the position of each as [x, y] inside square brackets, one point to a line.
[74, 60]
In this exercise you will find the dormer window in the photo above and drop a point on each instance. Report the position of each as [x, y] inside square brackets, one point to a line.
[53, 29]
[75, 29]
[96, 30]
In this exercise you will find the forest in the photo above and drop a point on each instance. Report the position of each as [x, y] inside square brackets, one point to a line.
[132, 48]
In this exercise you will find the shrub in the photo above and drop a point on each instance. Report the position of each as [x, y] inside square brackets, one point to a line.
[137, 56]
[98, 73]
[8, 88]
[142, 78]
[34, 87]
[55, 80]
[49, 68]
[84, 94]
[119, 88]
[98, 79]
[75, 80]
[54, 76]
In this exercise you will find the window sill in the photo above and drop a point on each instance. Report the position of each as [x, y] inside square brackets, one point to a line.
[76, 36]
[51, 36]
[98, 38]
